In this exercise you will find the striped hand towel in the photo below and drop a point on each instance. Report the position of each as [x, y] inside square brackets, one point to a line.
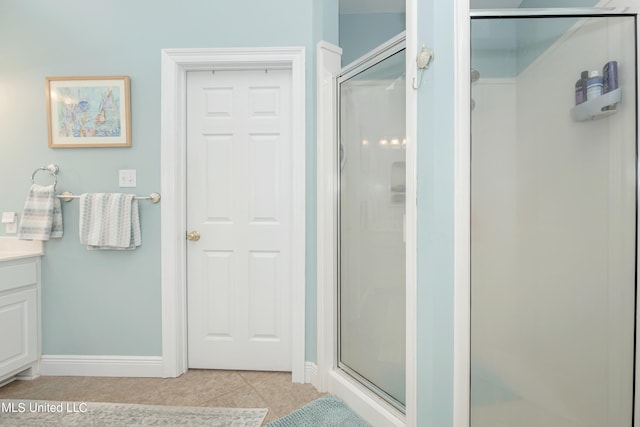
[42, 216]
[109, 221]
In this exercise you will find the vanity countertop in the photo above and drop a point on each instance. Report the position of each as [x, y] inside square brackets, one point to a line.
[11, 255]
[12, 248]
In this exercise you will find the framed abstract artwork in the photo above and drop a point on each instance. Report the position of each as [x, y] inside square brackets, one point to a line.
[88, 111]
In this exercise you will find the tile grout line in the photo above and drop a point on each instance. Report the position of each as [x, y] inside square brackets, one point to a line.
[270, 410]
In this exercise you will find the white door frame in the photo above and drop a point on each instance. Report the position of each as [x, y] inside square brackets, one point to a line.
[175, 63]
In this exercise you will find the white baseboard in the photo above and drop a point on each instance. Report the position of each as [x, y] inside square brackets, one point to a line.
[369, 406]
[101, 366]
[123, 366]
[311, 373]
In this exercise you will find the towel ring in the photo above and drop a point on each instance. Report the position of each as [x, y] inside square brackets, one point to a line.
[52, 169]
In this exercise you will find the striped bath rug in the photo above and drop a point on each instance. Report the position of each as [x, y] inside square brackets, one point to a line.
[38, 413]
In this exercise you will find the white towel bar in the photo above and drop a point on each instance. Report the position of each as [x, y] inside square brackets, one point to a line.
[67, 196]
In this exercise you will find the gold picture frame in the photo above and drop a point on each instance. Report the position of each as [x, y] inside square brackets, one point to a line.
[90, 111]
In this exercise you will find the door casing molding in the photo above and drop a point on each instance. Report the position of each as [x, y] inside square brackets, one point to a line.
[175, 63]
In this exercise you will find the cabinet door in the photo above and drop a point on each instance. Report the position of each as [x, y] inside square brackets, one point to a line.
[18, 330]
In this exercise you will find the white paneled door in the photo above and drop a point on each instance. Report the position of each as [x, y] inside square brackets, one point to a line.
[239, 201]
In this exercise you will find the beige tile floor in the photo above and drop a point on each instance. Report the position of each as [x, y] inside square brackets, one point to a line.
[229, 389]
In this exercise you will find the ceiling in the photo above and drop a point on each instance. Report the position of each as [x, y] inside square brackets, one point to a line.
[494, 4]
[371, 6]
[398, 6]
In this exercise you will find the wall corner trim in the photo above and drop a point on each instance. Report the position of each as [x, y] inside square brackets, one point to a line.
[328, 59]
[311, 374]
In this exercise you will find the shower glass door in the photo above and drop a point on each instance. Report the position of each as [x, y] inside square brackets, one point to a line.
[553, 220]
[371, 285]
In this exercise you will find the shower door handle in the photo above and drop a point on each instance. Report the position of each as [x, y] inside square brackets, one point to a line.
[343, 155]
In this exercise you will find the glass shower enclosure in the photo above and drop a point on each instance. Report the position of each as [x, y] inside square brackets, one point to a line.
[371, 207]
[553, 219]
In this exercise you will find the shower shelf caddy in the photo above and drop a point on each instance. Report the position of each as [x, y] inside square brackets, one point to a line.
[593, 108]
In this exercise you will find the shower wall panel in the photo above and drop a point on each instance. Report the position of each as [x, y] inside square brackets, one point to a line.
[553, 241]
[494, 225]
[575, 184]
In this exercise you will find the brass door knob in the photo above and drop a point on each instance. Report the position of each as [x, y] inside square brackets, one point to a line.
[193, 235]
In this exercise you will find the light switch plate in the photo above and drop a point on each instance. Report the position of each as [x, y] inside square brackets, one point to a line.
[10, 228]
[127, 178]
[9, 221]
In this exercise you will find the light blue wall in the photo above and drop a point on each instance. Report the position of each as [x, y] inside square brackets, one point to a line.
[505, 47]
[494, 47]
[435, 217]
[535, 36]
[330, 21]
[360, 33]
[108, 303]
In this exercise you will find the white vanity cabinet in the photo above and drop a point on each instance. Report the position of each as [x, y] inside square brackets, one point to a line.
[19, 315]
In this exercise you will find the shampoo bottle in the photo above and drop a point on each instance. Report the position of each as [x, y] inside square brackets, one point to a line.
[610, 80]
[581, 88]
[594, 85]
[610, 76]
